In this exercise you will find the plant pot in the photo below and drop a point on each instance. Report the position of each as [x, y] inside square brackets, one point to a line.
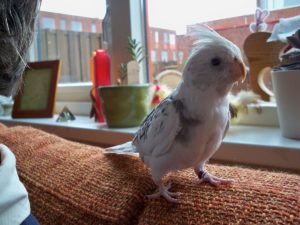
[287, 94]
[125, 105]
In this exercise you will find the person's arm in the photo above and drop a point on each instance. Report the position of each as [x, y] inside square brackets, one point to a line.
[14, 203]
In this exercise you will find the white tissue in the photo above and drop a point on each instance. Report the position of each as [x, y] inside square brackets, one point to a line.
[284, 28]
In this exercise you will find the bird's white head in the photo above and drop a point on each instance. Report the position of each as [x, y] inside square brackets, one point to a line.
[215, 62]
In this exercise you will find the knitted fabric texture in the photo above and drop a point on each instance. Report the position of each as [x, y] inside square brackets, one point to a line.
[72, 183]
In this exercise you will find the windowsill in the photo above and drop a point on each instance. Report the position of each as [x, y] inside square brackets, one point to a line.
[256, 145]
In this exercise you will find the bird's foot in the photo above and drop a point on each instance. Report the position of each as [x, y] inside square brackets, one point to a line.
[204, 176]
[164, 192]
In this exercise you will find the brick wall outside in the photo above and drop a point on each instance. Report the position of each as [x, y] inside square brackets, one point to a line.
[235, 29]
[85, 21]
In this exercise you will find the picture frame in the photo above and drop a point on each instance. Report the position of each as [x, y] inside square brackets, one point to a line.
[36, 97]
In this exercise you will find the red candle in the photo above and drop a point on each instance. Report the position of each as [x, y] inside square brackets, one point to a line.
[102, 68]
[101, 76]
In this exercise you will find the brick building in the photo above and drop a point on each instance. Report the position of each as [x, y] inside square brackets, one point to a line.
[163, 49]
[58, 21]
[184, 46]
[163, 45]
[166, 49]
[236, 29]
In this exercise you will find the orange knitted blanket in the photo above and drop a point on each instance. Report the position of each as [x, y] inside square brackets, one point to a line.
[72, 183]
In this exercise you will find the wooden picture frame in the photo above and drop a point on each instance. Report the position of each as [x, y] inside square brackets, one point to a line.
[36, 97]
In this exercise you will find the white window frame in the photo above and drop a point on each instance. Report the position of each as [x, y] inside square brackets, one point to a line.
[77, 95]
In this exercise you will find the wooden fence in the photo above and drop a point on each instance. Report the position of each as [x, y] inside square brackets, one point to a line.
[74, 49]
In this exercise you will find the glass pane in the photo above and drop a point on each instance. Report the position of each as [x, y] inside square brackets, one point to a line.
[278, 4]
[76, 26]
[69, 30]
[48, 23]
[171, 21]
[62, 24]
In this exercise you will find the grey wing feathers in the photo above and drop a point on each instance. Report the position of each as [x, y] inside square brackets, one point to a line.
[159, 130]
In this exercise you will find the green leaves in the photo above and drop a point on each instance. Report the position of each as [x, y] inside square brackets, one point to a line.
[123, 72]
[135, 50]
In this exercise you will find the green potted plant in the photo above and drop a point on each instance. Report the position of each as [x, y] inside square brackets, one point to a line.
[286, 80]
[127, 103]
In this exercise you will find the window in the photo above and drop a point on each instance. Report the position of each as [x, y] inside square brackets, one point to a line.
[93, 28]
[172, 38]
[169, 29]
[76, 26]
[62, 24]
[229, 18]
[278, 4]
[164, 56]
[153, 55]
[174, 56]
[48, 23]
[73, 48]
[180, 56]
[166, 38]
[156, 37]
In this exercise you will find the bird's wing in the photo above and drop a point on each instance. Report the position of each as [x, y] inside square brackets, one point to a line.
[158, 131]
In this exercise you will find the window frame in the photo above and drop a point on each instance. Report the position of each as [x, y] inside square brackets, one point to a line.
[174, 52]
[79, 92]
[153, 55]
[164, 56]
[156, 37]
[166, 37]
[93, 28]
[75, 95]
[172, 39]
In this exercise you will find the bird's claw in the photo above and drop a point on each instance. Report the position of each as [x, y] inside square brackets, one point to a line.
[204, 176]
[164, 192]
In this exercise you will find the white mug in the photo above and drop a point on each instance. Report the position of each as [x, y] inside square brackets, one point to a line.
[286, 85]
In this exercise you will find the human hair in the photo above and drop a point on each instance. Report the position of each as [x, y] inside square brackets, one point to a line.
[17, 22]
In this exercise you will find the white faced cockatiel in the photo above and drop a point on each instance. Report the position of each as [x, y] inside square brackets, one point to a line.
[188, 127]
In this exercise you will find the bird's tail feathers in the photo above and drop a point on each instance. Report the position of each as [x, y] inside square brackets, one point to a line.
[122, 149]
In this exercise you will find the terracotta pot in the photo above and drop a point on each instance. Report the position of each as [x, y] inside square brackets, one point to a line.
[287, 94]
[125, 105]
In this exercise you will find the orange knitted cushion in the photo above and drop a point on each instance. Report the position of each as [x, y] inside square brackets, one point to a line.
[2, 126]
[259, 197]
[72, 183]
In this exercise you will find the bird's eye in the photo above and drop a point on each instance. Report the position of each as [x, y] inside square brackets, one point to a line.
[215, 61]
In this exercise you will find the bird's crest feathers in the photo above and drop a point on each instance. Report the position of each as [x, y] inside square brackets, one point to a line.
[204, 34]
[206, 37]
[204, 31]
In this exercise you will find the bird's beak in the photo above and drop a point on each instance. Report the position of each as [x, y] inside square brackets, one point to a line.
[239, 71]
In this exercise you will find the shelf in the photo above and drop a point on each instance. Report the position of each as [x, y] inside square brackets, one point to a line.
[256, 145]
